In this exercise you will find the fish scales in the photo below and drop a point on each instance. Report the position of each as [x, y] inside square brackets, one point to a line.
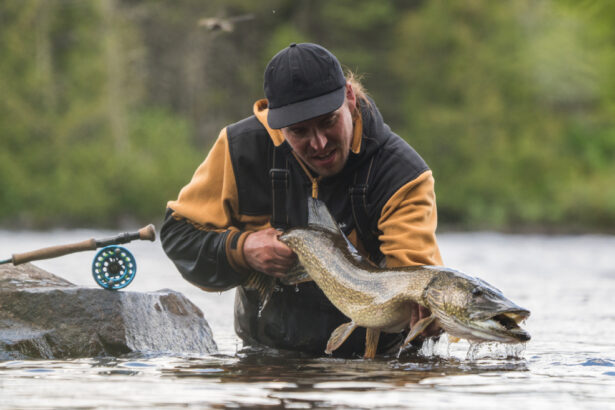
[370, 297]
[380, 299]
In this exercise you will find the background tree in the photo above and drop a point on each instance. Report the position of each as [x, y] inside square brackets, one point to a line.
[109, 105]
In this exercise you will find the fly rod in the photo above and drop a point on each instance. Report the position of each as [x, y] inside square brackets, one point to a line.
[147, 233]
[113, 267]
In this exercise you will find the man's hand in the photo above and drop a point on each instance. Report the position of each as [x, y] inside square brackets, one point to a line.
[418, 312]
[265, 253]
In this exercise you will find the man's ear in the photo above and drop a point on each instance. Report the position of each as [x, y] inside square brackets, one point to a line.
[350, 95]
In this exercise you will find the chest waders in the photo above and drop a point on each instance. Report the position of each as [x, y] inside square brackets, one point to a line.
[367, 231]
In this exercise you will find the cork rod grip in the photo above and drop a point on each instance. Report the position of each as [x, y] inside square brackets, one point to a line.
[54, 251]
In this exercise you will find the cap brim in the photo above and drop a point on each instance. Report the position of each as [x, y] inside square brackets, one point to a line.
[304, 110]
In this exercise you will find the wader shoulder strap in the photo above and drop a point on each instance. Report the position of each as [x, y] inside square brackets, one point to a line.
[358, 199]
[279, 189]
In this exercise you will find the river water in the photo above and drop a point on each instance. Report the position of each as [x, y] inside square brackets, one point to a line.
[568, 282]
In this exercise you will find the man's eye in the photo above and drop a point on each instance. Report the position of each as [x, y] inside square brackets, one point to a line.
[329, 121]
[298, 131]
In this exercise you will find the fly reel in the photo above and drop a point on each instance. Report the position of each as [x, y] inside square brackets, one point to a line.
[114, 267]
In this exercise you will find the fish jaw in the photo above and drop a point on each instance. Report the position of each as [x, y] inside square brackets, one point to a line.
[502, 327]
[472, 309]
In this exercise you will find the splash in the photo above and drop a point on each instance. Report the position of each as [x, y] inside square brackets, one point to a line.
[439, 347]
[451, 348]
[494, 350]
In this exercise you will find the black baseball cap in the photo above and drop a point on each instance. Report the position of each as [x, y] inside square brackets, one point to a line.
[302, 81]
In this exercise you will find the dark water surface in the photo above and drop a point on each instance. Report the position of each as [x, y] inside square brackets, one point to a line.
[568, 282]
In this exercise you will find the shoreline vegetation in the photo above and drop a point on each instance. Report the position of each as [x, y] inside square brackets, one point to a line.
[109, 106]
[130, 222]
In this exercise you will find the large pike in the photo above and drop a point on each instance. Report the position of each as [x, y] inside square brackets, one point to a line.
[379, 299]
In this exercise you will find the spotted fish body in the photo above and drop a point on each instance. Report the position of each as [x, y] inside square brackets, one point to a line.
[352, 287]
[380, 299]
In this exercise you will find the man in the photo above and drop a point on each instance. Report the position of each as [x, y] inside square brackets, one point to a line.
[316, 134]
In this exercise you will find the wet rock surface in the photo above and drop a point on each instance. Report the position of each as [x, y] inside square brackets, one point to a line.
[43, 316]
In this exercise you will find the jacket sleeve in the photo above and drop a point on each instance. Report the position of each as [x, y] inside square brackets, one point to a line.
[200, 255]
[201, 233]
[408, 224]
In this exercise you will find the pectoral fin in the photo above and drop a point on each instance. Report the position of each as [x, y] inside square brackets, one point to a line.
[296, 275]
[416, 330]
[264, 286]
[371, 343]
[339, 336]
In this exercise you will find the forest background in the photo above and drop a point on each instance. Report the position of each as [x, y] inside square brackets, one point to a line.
[108, 106]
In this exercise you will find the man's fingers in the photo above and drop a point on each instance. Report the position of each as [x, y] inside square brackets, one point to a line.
[279, 267]
[279, 270]
[434, 328]
[283, 251]
[276, 274]
[418, 312]
[423, 312]
[414, 314]
[265, 253]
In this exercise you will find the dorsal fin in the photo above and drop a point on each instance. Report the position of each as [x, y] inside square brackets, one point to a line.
[320, 217]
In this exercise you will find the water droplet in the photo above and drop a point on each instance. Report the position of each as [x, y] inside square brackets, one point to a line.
[473, 351]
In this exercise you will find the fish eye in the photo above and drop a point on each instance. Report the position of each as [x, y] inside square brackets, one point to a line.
[477, 292]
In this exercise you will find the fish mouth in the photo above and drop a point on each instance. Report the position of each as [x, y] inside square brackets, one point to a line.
[502, 327]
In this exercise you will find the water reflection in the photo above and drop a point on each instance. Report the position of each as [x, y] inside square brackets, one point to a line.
[306, 371]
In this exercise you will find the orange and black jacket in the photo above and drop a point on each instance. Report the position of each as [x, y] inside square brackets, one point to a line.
[383, 200]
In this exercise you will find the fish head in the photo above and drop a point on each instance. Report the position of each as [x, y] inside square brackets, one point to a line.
[297, 239]
[472, 309]
[307, 242]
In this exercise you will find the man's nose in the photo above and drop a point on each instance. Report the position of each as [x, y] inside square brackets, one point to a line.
[318, 140]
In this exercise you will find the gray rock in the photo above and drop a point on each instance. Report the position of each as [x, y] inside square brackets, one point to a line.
[43, 316]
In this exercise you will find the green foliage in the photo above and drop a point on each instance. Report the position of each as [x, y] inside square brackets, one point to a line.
[76, 149]
[159, 160]
[491, 101]
[106, 105]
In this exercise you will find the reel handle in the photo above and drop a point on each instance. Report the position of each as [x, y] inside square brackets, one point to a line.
[147, 233]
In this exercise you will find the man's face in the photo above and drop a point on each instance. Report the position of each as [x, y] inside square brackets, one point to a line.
[323, 143]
